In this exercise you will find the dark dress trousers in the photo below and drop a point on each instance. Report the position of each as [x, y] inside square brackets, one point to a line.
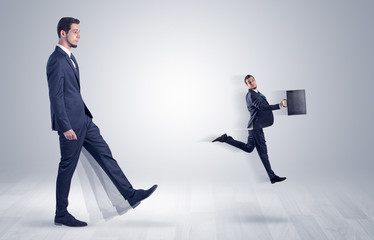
[261, 117]
[68, 111]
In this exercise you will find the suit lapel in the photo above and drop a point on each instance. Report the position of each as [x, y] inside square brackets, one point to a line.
[263, 98]
[259, 95]
[76, 71]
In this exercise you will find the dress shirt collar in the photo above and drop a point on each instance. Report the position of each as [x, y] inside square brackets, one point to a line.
[64, 49]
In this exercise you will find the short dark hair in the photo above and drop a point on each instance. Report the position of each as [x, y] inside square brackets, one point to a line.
[246, 77]
[65, 24]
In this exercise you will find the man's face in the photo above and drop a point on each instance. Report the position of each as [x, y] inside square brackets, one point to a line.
[73, 35]
[251, 83]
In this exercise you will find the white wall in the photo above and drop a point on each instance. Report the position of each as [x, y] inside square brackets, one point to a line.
[162, 77]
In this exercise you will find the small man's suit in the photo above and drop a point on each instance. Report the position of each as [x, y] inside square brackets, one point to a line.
[261, 117]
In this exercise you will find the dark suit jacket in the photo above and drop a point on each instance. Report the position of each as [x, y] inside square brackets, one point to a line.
[68, 110]
[260, 110]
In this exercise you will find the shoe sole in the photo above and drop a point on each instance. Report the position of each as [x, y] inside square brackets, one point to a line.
[216, 139]
[60, 224]
[278, 181]
[136, 204]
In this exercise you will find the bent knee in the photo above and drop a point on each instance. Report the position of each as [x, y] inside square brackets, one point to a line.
[249, 149]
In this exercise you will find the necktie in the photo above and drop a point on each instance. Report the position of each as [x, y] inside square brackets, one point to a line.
[74, 61]
[75, 67]
[262, 95]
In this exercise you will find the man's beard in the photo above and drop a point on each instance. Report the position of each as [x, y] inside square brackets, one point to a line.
[70, 44]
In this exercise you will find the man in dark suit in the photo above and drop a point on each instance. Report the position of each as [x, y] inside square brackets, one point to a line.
[261, 117]
[73, 122]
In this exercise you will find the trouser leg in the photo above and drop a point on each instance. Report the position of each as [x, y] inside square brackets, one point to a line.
[260, 142]
[100, 151]
[245, 147]
[70, 151]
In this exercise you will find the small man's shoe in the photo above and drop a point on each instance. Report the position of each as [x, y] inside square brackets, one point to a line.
[277, 179]
[140, 195]
[221, 138]
[69, 220]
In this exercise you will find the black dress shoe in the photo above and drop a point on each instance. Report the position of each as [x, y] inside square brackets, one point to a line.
[69, 220]
[140, 195]
[277, 179]
[222, 138]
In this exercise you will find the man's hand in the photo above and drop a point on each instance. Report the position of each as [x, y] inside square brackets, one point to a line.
[283, 103]
[70, 135]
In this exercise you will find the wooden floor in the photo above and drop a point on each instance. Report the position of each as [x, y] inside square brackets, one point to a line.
[191, 209]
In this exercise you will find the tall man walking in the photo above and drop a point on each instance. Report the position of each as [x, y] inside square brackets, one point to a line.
[261, 117]
[73, 122]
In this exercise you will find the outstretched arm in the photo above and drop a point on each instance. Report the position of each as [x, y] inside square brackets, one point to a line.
[254, 99]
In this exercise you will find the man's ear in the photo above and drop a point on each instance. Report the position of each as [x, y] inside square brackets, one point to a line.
[63, 33]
